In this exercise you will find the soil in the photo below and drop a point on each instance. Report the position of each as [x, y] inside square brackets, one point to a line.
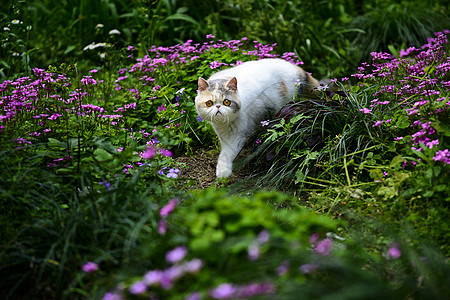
[200, 168]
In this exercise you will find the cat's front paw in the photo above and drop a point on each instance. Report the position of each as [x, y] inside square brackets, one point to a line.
[223, 170]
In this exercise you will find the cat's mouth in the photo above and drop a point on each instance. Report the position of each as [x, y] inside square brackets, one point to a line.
[218, 112]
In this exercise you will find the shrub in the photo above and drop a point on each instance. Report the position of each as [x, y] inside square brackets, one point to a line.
[385, 140]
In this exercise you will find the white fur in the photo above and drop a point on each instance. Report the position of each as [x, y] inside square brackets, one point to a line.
[259, 86]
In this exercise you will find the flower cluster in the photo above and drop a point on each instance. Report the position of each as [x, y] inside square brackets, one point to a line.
[165, 279]
[418, 81]
[231, 291]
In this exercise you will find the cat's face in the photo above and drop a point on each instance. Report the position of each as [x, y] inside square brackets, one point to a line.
[217, 100]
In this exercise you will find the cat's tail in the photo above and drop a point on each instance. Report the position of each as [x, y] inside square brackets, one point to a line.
[308, 84]
[320, 88]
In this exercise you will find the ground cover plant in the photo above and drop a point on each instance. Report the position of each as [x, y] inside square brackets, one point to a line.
[105, 214]
[394, 147]
[345, 197]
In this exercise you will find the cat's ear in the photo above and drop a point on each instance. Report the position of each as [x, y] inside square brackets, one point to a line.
[232, 84]
[202, 84]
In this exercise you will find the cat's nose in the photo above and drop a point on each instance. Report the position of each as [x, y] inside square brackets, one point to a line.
[218, 106]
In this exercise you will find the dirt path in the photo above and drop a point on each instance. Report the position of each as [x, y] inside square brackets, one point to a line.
[201, 168]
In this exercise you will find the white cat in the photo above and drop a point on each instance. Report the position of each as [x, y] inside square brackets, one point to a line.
[236, 100]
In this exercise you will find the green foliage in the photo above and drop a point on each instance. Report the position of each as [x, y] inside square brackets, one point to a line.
[389, 24]
[330, 36]
[85, 174]
[381, 144]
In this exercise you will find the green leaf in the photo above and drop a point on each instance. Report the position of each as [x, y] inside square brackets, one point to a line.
[300, 176]
[55, 143]
[396, 160]
[69, 49]
[182, 17]
[402, 122]
[102, 155]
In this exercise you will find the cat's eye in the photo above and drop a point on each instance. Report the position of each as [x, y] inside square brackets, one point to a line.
[209, 103]
[226, 102]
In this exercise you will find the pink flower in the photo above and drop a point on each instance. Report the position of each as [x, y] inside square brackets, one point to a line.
[138, 288]
[308, 268]
[165, 152]
[324, 247]
[162, 227]
[223, 291]
[194, 296]
[365, 110]
[153, 277]
[394, 252]
[176, 255]
[263, 237]
[148, 153]
[168, 208]
[253, 252]
[89, 267]
[193, 266]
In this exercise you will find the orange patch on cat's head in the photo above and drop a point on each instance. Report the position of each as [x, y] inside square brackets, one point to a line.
[283, 89]
[203, 97]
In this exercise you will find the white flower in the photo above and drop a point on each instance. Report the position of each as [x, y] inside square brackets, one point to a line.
[99, 26]
[102, 55]
[93, 45]
[15, 22]
[6, 29]
[114, 31]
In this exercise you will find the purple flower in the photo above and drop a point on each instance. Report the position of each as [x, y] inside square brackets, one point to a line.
[193, 266]
[200, 119]
[153, 277]
[176, 255]
[90, 267]
[223, 291]
[394, 251]
[254, 289]
[148, 153]
[138, 288]
[283, 268]
[194, 296]
[263, 237]
[168, 208]
[365, 110]
[162, 227]
[173, 273]
[173, 173]
[314, 238]
[112, 296]
[161, 108]
[377, 123]
[442, 155]
[308, 268]
[324, 247]
[165, 152]
[253, 252]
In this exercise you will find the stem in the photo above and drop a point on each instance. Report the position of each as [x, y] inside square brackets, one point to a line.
[346, 171]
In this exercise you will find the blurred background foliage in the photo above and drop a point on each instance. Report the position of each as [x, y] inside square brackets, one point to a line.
[331, 37]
